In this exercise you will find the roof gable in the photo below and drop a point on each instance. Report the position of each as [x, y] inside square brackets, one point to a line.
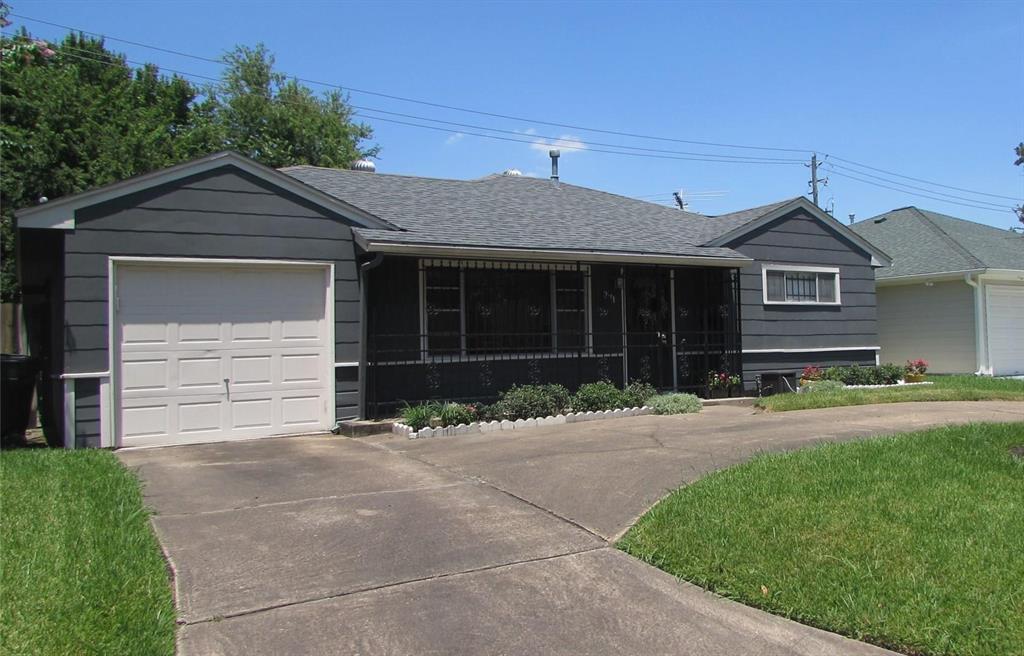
[740, 224]
[60, 214]
[924, 242]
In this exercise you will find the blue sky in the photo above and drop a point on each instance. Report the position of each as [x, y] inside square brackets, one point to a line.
[932, 90]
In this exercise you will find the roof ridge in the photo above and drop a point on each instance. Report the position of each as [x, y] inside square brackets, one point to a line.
[332, 169]
[948, 238]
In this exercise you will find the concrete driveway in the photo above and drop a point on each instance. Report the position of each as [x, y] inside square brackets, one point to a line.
[493, 544]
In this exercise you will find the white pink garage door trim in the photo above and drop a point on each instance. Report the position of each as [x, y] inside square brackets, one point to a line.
[210, 350]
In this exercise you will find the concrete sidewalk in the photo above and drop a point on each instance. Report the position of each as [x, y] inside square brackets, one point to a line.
[489, 544]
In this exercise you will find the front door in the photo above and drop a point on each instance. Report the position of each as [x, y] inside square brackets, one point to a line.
[648, 326]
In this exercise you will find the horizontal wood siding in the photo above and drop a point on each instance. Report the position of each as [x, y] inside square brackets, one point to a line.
[224, 213]
[801, 240]
[87, 412]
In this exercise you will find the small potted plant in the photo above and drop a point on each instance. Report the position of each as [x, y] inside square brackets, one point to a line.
[721, 384]
[811, 374]
[915, 370]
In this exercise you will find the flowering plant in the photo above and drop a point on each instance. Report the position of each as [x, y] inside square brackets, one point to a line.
[917, 367]
[722, 380]
[812, 373]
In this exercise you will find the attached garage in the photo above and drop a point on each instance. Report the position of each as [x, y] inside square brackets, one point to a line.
[221, 350]
[215, 300]
[1005, 324]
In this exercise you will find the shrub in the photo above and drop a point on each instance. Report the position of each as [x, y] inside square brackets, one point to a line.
[453, 414]
[823, 386]
[835, 373]
[722, 380]
[675, 404]
[419, 416]
[637, 393]
[492, 412]
[891, 373]
[598, 396]
[528, 401]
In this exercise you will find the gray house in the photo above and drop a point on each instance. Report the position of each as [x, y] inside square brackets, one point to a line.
[953, 295]
[220, 299]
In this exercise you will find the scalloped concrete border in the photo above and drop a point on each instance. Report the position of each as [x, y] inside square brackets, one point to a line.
[478, 427]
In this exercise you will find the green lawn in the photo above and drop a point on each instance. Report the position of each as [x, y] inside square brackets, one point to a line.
[80, 569]
[912, 542]
[945, 388]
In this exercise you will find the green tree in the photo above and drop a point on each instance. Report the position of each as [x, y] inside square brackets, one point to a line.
[74, 116]
[265, 115]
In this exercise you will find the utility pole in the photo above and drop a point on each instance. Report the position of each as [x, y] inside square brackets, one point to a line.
[814, 181]
[678, 195]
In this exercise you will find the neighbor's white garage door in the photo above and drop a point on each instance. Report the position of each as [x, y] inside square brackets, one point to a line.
[1006, 329]
[213, 352]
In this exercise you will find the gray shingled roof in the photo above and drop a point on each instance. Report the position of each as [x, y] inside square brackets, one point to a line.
[520, 212]
[922, 242]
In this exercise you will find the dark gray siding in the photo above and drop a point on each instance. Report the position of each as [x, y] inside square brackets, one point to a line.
[224, 213]
[87, 412]
[802, 240]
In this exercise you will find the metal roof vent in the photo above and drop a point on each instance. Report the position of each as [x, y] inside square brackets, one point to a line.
[512, 173]
[364, 165]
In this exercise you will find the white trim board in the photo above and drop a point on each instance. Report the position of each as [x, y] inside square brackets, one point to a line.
[815, 350]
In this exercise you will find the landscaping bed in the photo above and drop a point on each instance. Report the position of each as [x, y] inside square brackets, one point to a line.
[942, 388]
[526, 406]
[911, 542]
[80, 569]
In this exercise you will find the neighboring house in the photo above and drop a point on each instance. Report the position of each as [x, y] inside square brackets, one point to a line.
[220, 299]
[953, 295]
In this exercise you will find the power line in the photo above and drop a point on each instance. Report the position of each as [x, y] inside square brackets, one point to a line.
[430, 103]
[909, 186]
[934, 184]
[941, 200]
[709, 157]
[529, 139]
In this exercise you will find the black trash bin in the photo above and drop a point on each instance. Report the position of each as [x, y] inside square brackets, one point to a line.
[18, 373]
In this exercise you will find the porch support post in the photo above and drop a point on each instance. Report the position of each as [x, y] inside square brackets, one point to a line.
[625, 339]
[672, 309]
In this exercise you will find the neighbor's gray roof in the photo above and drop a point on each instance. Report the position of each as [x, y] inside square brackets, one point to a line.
[922, 242]
[519, 212]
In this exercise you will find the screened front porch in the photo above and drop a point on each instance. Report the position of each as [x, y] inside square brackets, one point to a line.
[464, 330]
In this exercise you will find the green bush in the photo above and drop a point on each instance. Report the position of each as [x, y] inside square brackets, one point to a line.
[598, 396]
[489, 412]
[637, 393]
[892, 373]
[675, 404]
[886, 374]
[453, 414]
[419, 416]
[822, 386]
[528, 401]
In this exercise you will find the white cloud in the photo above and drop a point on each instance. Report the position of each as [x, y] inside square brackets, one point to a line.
[567, 143]
[454, 138]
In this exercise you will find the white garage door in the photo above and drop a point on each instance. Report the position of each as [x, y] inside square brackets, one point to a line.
[1006, 329]
[216, 352]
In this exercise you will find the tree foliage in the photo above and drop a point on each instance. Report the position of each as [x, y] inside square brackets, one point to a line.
[76, 116]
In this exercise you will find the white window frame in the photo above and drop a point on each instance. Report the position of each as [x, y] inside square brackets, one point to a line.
[799, 269]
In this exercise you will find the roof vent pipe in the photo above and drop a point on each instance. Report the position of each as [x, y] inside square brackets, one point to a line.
[554, 154]
[364, 165]
[853, 217]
